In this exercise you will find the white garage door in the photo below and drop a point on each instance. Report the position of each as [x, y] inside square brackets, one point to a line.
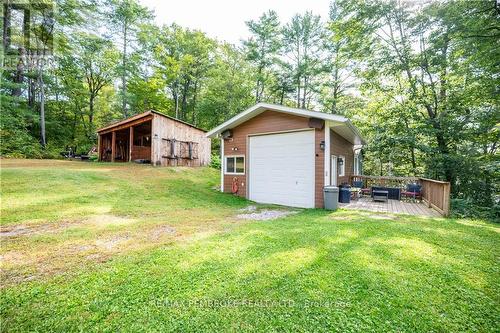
[281, 169]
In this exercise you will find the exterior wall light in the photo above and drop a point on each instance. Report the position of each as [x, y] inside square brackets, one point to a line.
[322, 145]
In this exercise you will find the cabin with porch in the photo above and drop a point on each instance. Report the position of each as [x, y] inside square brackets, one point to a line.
[152, 137]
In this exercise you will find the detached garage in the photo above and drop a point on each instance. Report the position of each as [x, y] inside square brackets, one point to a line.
[280, 155]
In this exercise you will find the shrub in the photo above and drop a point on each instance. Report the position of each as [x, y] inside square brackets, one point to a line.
[465, 208]
[215, 161]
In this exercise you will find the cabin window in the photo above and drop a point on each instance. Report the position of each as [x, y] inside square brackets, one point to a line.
[341, 166]
[235, 165]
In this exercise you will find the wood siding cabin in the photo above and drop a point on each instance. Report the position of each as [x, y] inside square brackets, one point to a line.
[152, 137]
[281, 155]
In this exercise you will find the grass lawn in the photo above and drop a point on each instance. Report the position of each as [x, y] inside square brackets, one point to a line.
[115, 247]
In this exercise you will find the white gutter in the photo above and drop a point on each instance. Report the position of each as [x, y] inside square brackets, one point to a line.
[261, 107]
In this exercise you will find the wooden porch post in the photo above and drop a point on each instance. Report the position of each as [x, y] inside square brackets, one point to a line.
[99, 143]
[131, 143]
[113, 143]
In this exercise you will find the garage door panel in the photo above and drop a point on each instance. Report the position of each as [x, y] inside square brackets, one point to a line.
[281, 169]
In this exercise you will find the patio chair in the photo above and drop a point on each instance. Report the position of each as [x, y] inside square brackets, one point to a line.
[359, 184]
[413, 192]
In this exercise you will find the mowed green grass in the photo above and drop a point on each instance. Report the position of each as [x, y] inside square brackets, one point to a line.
[109, 247]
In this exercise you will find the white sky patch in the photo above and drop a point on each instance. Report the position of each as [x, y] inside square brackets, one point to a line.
[225, 19]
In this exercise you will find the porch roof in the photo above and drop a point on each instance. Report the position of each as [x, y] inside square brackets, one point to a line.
[140, 116]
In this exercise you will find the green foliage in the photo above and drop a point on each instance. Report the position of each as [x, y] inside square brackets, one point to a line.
[227, 90]
[467, 208]
[16, 139]
[126, 17]
[215, 161]
[303, 39]
[432, 107]
[262, 49]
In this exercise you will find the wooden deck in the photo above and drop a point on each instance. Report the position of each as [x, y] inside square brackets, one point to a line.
[392, 206]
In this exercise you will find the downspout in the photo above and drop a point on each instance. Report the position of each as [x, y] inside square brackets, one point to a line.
[221, 163]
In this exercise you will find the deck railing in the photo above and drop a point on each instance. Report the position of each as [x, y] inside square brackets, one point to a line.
[435, 193]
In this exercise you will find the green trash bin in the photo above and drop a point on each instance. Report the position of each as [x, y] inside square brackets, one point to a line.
[331, 197]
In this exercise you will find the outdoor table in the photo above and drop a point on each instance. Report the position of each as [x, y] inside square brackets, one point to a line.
[380, 195]
[393, 192]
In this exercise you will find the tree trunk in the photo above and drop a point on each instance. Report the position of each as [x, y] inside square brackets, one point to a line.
[19, 75]
[32, 82]
[176, 102]
[304, 93]
[175, 95]
[282, 97]
[73, 127]
[258, 96]
[42, 105]
[6, 26]
[91, 109]
[335, 89]
[124, 71]
[298, 73]
[413, 161]
[91, 115]
[298, 91]
[195, 96]
[257, 91]
[185, 91]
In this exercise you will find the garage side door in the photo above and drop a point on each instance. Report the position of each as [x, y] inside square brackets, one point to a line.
[281, 169]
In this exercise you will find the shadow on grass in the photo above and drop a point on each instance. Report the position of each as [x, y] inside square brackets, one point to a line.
[367, 274]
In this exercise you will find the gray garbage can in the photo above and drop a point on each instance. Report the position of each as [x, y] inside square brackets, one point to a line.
[331, 197]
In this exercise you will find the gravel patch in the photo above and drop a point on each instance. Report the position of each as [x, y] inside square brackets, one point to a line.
[248, 209]
[16, 231]
[162, 230]
[24, 230]
[111, 243]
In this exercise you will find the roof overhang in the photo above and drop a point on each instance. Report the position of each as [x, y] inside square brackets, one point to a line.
[140, 116]
[338, 124]
[125, 121]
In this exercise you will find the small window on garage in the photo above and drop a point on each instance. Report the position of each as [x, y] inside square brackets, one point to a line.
[235, 165]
